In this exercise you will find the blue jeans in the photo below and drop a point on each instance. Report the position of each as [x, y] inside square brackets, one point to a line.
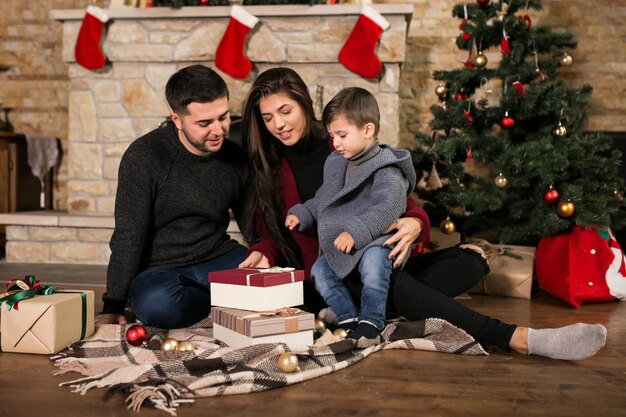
[172, 298]
[374, 269]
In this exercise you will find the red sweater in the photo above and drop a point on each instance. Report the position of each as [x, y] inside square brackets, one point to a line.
[307, 241]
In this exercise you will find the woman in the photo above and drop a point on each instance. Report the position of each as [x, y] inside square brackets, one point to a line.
[287, 147]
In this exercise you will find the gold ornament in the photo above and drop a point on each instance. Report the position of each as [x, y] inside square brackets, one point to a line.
[169, 345]
[320, 326]
[185, 345]
[559, 130]
[447, 226]
[480, 60]
[566, 59]
[288, 362]
[340, 333]
[618, 196]
[440, 90]
[501, 181]
[565, 208]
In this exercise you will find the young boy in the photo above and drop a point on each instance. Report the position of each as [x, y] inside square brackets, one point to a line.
[364, 191]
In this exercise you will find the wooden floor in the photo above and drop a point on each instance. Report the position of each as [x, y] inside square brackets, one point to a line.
[389, 383]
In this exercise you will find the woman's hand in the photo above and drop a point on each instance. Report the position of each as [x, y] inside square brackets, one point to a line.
[291, 221]
[408, 229]
[344, 242]
[255, 260]
[110, 319]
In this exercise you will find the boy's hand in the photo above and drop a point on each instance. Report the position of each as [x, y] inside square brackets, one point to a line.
[344, 242]
[291, 221]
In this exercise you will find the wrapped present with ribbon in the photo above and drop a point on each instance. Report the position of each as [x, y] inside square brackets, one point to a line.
[43, 319]
[257, 289]
[512, 272]
[239, 328]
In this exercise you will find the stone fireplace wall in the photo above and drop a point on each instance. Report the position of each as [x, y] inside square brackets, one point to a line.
[109, 109]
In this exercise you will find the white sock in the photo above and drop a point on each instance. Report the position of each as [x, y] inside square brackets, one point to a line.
[574, 342]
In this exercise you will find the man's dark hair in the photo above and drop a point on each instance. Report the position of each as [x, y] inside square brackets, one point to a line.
[194, 84]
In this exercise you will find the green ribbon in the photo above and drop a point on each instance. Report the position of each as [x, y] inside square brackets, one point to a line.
[16, 291]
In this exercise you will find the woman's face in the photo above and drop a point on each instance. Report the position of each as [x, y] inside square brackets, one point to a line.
[283, 118]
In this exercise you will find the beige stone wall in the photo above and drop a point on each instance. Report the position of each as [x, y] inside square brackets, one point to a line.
[599, 60]
[36, 86]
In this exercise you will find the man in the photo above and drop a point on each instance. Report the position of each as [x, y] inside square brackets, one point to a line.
[176, 185]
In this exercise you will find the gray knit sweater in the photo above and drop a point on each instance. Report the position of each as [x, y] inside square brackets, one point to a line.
[372, 199]
[171, 208]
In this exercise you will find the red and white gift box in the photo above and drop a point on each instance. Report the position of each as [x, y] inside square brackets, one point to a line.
[239, 328]
[257, 289]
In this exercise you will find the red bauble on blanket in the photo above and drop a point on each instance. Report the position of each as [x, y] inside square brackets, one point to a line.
[583, 265]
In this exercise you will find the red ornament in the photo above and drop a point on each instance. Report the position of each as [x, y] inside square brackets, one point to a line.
[482, 2]
[459, 96]
[507, 122]
[136, 335]
[468, 116]
[468, 156]
[466, 36]
[551, 196]
[204, 2]
[525, 18]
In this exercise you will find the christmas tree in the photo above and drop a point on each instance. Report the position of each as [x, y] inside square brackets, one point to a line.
[508, 158]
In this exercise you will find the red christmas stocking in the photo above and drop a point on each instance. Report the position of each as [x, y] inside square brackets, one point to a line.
[87, 50]
[230, 56]
[357, 54]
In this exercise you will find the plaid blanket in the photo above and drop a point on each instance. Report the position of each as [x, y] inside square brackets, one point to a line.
[165, 380]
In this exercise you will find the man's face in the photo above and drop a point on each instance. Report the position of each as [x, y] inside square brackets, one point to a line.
[204, 129]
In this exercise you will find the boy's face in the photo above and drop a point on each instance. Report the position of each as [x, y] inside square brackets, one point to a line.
[348, 139]
[204, 129]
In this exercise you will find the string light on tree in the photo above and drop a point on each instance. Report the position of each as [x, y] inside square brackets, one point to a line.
[617, 195]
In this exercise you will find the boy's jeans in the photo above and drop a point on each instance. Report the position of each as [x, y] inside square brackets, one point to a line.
[374, 269]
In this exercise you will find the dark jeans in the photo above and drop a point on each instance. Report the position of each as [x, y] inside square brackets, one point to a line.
[426, 286]
[172, 298]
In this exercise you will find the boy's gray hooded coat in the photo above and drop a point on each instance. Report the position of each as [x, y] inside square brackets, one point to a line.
[365, 207]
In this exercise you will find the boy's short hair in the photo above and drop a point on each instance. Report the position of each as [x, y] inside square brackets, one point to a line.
[194, 84]
[357, 105]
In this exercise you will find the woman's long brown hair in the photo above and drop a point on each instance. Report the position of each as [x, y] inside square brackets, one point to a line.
[265, 153]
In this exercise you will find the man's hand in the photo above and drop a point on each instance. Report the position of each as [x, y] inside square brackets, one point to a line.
[344, 242]
[291, 221]
[408, 229]
[255, 260]
[110, 319]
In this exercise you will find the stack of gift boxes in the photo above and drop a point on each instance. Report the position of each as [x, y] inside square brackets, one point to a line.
[252, 306]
